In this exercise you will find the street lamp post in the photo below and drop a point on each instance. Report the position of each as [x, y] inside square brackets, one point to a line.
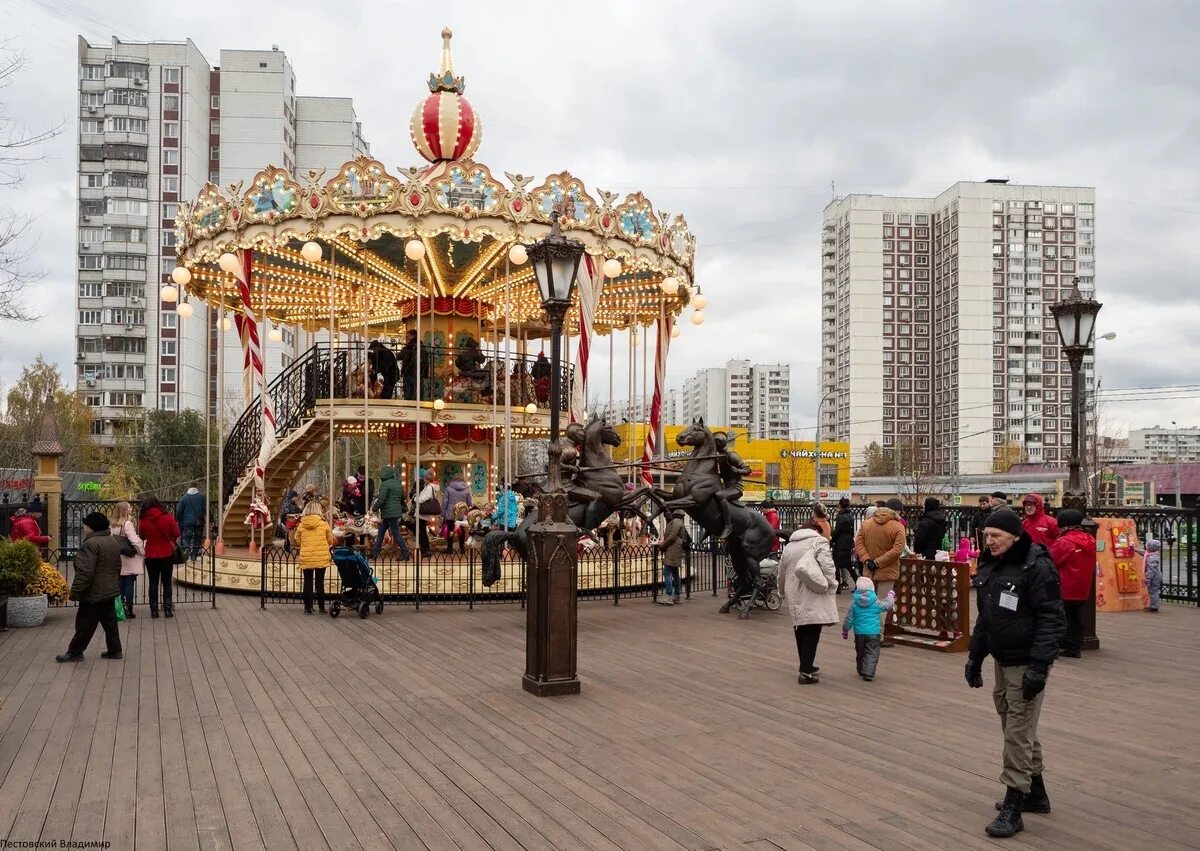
[551, 622]
[817, 448]
[1075, 318]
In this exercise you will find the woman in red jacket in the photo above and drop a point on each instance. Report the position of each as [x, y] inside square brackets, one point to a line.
[25, 528]
[1074, 554]
[159, 531]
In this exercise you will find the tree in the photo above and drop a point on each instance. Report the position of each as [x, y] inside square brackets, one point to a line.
[21, 424]
[169, 455]
[1008, 454]
[19, 147]
[118, 482]
[878, 462]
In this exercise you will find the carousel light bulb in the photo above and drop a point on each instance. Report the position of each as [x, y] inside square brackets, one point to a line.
[169, 293]
[518, 255]
[675, 332]
[311, 251]
[612, 267]
[228, 262]
[697, 317]
[184, 309]
[439, 404]
[531, 408]
[414, 249]
[181, 275]
[226, 323]
[700, 301]
[275, 335]
[670, 285]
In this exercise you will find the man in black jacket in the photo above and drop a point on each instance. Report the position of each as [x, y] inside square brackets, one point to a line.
[842, 541]
[95, 588]
[1020, 624]
[931, 529]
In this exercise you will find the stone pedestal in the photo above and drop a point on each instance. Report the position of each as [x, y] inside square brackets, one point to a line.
[551, 611]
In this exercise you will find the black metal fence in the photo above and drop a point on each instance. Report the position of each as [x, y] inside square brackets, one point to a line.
[70, 519]
[1175, 528]
[193, 582]
[614, 573]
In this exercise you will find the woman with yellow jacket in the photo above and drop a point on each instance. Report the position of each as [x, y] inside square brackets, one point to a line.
[314, 538]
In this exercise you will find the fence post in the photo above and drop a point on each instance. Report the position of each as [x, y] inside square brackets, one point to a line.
[654, 572]
[1190, 525]
[212, 574]
[262, 586]
[617, 575]
[417, 586]
[471, 578]
[712, 552]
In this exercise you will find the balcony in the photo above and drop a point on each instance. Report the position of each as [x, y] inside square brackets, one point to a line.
[124, 137]
[137, 193]
[125, 248]
[126, 110]
[134, 166]
[123, 275]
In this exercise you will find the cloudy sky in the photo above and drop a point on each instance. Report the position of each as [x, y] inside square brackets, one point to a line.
[739, 115]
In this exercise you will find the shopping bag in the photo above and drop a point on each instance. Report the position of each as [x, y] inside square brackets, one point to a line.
[119, 605]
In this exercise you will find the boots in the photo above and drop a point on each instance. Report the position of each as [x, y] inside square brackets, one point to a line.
[1037, 801]
[1008, 821]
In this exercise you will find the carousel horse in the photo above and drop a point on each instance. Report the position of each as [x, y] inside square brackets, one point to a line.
[697, 491]
[593, 493]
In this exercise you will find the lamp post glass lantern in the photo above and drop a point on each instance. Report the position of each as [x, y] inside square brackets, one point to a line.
[1075, 318]
[551, 624]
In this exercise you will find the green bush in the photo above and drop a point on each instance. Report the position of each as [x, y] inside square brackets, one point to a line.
[20, 568]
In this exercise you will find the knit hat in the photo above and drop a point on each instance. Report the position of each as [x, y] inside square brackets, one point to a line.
[1005, 519]
[96, 521]
[871, 509]
[864, 584]
[932, 503]
[1069, 517]
[1000, 495]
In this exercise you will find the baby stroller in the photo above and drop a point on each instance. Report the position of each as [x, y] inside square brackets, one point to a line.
[768, 571]
[360, 588]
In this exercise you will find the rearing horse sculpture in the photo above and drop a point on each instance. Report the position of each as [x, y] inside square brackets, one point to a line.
[594, 492]
[750, 538]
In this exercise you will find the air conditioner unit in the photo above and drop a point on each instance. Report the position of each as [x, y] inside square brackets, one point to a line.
[91, 382]
[91, 110]
[135, 299]
[137, 81]
[128, 327]
[87, 218]
[80, 356]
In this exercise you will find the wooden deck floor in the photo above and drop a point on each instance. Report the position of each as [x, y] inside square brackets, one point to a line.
[238, 728]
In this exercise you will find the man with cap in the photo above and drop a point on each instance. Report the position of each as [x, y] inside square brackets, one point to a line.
[1020, 624]
[96, 586]
[987, 504]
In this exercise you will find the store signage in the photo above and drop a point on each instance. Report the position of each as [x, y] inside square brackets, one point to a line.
[810, 453]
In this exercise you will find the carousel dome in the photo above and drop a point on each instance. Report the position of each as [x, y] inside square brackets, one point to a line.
[444, 126]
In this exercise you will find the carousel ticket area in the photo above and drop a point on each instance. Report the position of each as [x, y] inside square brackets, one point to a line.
[424, 286]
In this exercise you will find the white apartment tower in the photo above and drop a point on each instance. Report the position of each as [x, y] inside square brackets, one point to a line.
[936, 338]
[741, 395]
[156, 122]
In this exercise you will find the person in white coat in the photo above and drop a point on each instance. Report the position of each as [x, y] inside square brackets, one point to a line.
[808, 582]
[131, 566]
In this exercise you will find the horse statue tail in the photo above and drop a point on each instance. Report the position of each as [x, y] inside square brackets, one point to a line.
[492, 550]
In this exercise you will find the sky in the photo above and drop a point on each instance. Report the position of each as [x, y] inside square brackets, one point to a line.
[745, 117]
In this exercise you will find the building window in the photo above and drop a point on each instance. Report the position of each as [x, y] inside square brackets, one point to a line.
[126, 206]
[167, 347]
[91, 262]
[91, 99]
[214, 153]
[91, 181]
[166, 402]
[167, 375]
[169, 211]
[91, 289]
[169, 318]
[170, 184]
[170, 75]
[170, 103]
[124, 124]
[170, 129]
[168, 239]
[91, 72]
[215, 102]
[90, 125]
[170, 156]
[90, 317]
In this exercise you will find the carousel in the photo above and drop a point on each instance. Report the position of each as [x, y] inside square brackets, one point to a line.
[415, 290]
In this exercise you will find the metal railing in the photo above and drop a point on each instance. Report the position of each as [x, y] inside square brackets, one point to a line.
[192, 582]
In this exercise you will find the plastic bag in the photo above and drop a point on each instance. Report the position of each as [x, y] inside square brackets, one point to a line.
[119, 605]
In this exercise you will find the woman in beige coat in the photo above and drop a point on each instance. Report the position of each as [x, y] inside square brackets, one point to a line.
[807, 582]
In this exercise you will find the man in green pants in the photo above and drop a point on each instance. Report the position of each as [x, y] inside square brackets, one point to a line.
[1020, 623]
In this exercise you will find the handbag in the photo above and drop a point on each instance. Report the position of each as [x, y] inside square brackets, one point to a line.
[128, 550]
[178, 556]
[119, 607]
[430, 507]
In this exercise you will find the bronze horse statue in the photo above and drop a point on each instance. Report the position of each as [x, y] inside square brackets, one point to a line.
[750, 536]
[594, 491]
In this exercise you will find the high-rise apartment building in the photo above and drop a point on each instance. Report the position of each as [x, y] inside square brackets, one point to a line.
[156, 122]
[742, 395]
[1161, 445]
[936, 339]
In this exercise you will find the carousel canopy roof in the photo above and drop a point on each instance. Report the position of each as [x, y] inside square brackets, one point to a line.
[467, 219]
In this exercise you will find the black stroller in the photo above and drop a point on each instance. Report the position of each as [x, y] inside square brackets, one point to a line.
[360, 588]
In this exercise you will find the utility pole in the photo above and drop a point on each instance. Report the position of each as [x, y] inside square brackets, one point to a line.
[1178, 468]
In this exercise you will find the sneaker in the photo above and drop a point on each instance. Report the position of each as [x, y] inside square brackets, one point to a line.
[169, 613]
[69, 657]
[867, 677]
[664, 601]
[108, 655]
[807, 679]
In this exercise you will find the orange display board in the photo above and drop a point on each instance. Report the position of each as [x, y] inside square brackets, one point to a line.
[1120, 573]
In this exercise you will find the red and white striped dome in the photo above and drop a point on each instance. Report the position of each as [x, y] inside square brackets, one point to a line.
[444, 126]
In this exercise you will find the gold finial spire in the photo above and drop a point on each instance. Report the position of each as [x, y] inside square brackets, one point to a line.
[444, 80]
[447, 59]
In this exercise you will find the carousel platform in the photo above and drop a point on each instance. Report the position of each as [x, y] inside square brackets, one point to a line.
[443, 575]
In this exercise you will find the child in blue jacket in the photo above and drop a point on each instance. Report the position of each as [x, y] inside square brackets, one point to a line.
[863, 618]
